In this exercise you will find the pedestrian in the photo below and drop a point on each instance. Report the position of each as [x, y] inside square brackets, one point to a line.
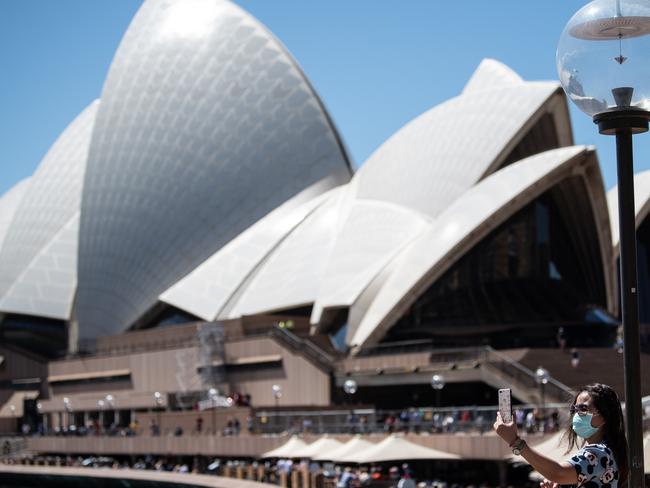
[406, 481]
[602, 462]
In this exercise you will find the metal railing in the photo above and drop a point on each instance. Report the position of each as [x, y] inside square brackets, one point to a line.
[398, 347]
[303, 346]
[476, 419]
[11, 445]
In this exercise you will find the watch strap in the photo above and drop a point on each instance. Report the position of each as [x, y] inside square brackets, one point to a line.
[518, 445]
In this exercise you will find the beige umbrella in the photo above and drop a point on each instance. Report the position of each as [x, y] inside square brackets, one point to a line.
[646, 454]
[287, 449]
[354, 446]
[318, 447]
[552, 448]
[397, 448]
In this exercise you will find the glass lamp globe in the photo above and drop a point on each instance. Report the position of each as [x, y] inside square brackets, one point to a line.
[602, 56]
[350, 387]
[437, 382]
[542, 376]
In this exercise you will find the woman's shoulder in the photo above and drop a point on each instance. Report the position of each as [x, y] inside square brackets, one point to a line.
[600, 449]
[595, 461]
[592, 452]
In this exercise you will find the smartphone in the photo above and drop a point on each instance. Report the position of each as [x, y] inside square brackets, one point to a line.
[505, 405]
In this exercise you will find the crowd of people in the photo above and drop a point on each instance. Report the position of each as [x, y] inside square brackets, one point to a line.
[414, 420]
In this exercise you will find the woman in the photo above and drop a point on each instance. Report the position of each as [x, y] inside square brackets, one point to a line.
[597, 418]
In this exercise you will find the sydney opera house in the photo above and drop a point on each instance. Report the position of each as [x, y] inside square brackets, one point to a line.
[201, 226]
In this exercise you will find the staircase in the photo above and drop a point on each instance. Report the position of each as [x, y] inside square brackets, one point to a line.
[596, 365]
[304, 347]
[500, 368]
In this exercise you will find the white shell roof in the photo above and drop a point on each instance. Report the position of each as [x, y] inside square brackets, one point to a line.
[372, 233]
[41, 228]
[391, 199]
[290, 277]
[47, 285]
[9, 203]
[423, 168]
[443, 152]
[206, 125]
[457, 229]
[641, 205]
[206, 290]
[491, 74]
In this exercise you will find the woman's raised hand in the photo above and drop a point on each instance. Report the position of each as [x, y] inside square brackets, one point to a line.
[508, 432]
[548, 484]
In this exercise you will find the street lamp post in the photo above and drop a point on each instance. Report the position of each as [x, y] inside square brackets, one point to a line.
[542, 376]
[350, 387]
[110, 404]
[277, 393]
[602, 61]
[43, 418]
[438, 383]
[68, 409]
[213, 394]
[101, 405]
[157, 398]
[13, 416]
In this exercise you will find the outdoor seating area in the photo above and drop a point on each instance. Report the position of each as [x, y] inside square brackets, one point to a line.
[327, 462]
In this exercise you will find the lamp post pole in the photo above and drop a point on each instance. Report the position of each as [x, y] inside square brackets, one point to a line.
[157, 398]
[100, 416]
[623, 127]
[277, 393]
[542, 376]
[110, 404]
[212, 394]
[350, 387]
[438, 383]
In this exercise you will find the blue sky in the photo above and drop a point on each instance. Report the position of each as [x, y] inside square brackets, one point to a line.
[375, 63]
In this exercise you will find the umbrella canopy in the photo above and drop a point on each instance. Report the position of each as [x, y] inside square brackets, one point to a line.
[396, 448]
[318, 447]
[286, 450]
[552, 448]
[341, 454]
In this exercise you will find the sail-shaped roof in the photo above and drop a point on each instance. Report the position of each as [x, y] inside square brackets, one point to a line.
[207, 124]
[38, 256]
[462, 225]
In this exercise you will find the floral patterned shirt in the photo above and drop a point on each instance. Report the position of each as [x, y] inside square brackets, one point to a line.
[595, 466]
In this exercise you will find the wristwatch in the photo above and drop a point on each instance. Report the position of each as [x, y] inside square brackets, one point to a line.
[518, 446]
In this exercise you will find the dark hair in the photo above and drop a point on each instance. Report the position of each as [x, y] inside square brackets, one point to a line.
[606, 402]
